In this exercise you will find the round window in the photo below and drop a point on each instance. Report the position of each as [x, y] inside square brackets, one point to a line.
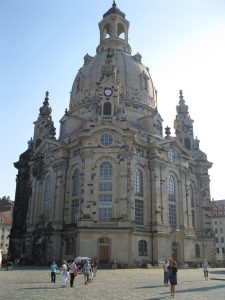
[106, 140]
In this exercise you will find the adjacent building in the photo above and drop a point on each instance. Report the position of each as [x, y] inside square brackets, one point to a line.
[218, 221]
[113, 186]
[6, 211]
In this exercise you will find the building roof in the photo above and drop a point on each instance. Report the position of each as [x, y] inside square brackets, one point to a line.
[4, 219]
[217, 202]
[5, 204]
[114, 10]
[218, 209]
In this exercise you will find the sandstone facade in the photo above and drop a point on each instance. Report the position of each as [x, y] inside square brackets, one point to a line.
[112, 186]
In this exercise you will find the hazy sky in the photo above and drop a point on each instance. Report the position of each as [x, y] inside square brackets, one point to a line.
[43, 43]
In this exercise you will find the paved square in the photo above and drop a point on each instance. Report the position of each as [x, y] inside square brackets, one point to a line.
[33, 283]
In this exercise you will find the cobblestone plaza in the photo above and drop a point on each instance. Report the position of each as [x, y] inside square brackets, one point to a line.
[33, 283]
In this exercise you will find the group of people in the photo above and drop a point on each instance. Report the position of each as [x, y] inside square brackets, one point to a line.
[69, 270]
[170, 275]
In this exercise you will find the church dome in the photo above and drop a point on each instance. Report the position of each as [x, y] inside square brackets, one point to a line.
[134, 80]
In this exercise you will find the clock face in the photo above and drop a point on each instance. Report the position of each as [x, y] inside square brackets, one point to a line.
[108, 92]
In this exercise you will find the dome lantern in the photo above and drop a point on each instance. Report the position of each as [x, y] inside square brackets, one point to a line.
[113, 61]
[114, 30]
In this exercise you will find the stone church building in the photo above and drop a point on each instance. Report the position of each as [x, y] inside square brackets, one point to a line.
[113, 185]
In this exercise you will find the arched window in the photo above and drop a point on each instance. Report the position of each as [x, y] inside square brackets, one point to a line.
[193, 215]
[63, 128]
[171, 189]
[138, 182]
[105, 178]
[47, 197]
[142, 245]
[139, 203]
[105, 208]
[106, 31]
[172, 202]
[106, 140]
[139, 212]
[197, 251]
[121, 31]
[193, 218]
[107, 110]
[78, 84]
[187, 143]
[192, 196]
[75, 211]
[105, 192]
[145, 83]
[158, 127]
[76, 183]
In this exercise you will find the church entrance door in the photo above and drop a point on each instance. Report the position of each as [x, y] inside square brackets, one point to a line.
[104, 254]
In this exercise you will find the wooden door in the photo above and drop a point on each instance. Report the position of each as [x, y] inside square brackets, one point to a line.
[104, 254]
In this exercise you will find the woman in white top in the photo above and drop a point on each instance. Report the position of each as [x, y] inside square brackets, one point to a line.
[63, 274]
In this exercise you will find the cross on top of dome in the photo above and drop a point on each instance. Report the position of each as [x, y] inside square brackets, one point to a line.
[114, 10]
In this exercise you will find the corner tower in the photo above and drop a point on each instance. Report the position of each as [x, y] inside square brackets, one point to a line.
[44, 126]
[183, 124]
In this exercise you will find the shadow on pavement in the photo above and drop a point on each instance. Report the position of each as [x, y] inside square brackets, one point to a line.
[158, 298]
[148, 287]
[42, 288]
[166, 293]
[217, 272]
[202, 289]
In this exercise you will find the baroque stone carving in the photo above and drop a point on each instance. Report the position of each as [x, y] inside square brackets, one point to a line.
[37, 170]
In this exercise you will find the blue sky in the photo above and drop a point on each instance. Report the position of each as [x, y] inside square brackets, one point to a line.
[43, 43]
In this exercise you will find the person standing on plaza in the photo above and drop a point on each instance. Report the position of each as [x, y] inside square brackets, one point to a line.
[87, 271]
[166, 272]
[63, 274]
[172, 276]
[53, 268]
[0, 259]
[94, 268]
[72, 271]
[205, 266]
